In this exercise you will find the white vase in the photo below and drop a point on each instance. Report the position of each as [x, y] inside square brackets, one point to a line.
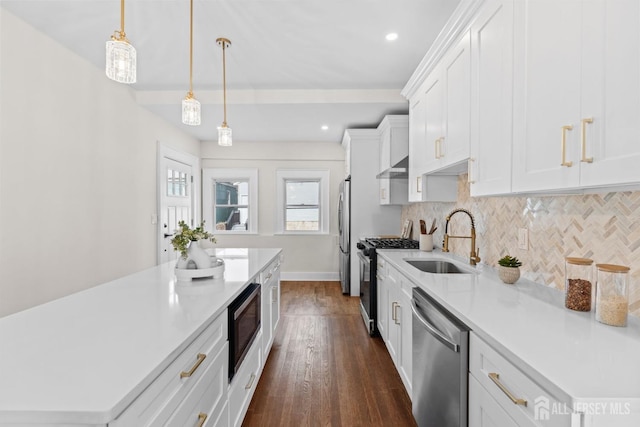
[199, 256]
[508, 275]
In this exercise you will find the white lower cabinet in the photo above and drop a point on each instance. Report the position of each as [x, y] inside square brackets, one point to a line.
[180, 385]
[484, 411]
[382, 294]
[244, 383]
[270, 307]
[399, 324]
[500, 392]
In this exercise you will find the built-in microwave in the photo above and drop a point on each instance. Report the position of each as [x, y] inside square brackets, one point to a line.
[244, 325]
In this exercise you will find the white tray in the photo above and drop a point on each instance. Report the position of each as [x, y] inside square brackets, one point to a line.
[186, 275]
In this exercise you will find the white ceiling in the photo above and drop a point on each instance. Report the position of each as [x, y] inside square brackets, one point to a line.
[293, 65]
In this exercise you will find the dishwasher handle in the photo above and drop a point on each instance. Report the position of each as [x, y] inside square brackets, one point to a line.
[433, 331]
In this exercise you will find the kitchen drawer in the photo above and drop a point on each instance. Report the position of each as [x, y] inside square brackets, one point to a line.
[159, 400]
[244, 383]
[208, 397]
[381, 267]
[270, 270]
[484, 411]
[484, 360]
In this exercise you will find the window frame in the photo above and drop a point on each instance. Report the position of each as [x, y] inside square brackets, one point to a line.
[212, 175]
[320, 175]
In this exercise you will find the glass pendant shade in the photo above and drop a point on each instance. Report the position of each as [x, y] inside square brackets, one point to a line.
[121, 61]
[191, 111]
[224, 136]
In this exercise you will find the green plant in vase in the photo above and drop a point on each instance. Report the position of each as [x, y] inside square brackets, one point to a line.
[185, 235]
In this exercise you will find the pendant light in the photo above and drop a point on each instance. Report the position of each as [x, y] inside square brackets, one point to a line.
[121, 56]
[224, 131]
[190, 105]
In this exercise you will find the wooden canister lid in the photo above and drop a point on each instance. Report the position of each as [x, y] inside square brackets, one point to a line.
[579, 261]
[612, 268]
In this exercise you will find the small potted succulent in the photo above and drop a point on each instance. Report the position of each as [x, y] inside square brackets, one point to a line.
[509, 269]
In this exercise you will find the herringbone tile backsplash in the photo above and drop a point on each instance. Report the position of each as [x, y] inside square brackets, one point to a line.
[604, 227]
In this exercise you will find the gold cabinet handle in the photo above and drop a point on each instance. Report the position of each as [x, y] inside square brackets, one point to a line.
[418, 184]
[395, 317]
[583, 137]
[383, 194]
[435, 145]
[439, 154]
[393, 311]
[201, 358]
[469, 163]
[496, 379]
[202, 417]
[250, 383]
[274, 295]
[563, 144]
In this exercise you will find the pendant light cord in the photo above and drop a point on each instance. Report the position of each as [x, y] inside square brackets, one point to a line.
[190, 52]
[224, 81]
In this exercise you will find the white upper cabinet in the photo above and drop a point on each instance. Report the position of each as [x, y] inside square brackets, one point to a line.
[576, 94]
[447, 99]
[417, 147]
[394, 149]
[491, 99]
[610, 92]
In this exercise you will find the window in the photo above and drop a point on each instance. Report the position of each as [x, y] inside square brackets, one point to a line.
[303, 201]
[230, 200]
[177, 185]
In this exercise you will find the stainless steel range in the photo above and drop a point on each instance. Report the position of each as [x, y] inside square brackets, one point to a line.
[368, 265]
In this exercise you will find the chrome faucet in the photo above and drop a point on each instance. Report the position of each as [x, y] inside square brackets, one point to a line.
[474, 257]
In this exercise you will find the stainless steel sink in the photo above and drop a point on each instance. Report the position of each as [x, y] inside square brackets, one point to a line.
[436, 266]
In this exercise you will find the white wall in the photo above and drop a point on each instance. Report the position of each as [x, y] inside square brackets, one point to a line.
[307, 257]
[77, 172]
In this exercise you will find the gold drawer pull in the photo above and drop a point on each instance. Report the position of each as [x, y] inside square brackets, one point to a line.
[563, 144]
[201, 358]
[469, 163]
[202, 417]
[583, 136]
[496, 379]
[418, 184]
[251, 380]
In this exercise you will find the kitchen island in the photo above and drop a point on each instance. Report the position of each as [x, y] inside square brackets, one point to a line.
[85, 358]
[564, 366]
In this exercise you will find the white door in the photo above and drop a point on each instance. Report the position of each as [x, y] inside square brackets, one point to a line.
[434, 128]
[177, 203]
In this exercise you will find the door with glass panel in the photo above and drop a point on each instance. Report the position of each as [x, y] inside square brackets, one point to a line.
[176, 203]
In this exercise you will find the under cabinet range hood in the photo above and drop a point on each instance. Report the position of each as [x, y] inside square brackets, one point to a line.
[398, 171]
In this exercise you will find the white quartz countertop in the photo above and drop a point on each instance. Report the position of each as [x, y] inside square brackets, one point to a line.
[569, 353]
[83, 358]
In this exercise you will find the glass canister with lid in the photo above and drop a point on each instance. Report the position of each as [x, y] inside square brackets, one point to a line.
[578, 281]
[612, 294]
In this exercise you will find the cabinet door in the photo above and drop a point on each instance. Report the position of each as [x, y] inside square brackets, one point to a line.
[265, 313]
[385, 149]
[483, 410]
[393, 321]
[275, 304]
[610, 93]
[417, 147]
[433, 119]
[547, 40]
[492, 112]
[406, 341]
[456, 69]
[385, 188]
[383, 301]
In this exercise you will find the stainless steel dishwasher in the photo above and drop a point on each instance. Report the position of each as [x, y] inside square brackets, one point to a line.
[440, 364]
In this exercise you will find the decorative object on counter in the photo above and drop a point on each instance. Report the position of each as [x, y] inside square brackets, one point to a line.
[509, 269]
[578, 274]
[406, 229]
[612, 294]
[194, 261]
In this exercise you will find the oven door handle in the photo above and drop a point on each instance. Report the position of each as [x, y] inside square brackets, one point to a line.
[433, 331]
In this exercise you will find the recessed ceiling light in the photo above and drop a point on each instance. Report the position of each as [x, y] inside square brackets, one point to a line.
[391, 36]
[324, 127]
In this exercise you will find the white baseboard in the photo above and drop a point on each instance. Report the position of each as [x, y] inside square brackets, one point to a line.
[310, 276]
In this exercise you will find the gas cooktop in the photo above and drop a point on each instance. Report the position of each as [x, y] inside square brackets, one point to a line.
[391, 243]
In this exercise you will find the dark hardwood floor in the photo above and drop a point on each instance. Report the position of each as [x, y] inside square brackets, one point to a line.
[324, 369]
